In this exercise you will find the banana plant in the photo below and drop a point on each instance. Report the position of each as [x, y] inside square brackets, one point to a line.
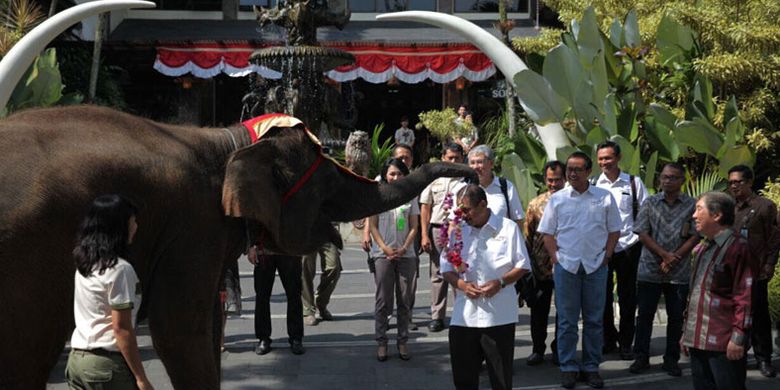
[41, 86]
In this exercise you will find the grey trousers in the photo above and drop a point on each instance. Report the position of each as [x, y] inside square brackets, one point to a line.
[330, 263]
[438, 285]
[389, 273]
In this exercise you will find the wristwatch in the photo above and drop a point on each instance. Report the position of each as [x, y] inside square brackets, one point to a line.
[501, 281]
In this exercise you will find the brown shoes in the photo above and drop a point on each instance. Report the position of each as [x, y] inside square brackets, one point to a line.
[403, 352]
[381, 353]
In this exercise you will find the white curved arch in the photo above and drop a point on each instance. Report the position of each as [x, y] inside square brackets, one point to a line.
[19, 58]
[552, 135]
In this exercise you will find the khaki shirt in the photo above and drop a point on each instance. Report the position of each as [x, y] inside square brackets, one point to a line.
[434, 195]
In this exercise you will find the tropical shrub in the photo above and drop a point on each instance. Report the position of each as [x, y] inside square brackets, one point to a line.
[443, 124]
[379, 152]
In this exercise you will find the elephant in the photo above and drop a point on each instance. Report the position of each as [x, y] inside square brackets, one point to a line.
[190, 185]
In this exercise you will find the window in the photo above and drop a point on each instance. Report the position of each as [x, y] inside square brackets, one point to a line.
[392, 5]
[469, 6]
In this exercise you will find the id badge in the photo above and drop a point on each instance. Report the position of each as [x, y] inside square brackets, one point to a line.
[743, 232]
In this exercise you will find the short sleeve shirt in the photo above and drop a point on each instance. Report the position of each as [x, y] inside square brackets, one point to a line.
[581, 223]
[669, 225]
[404, 136]
[621, 191]
[490, 252]
[435, 193]
[394, 227]
[95, 296]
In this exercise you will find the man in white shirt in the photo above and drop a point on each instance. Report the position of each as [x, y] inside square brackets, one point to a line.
[404, 135]
[432, 215]
[484, 314]
[629, 193]
[508, 205]
[581, 226]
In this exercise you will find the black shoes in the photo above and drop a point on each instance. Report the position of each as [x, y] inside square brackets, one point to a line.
[593, 379]
[325, 314]
[381, 353]
[640, 365]
[766, 369]
[568, 379]
[626, 354]
[296, 346]
[535, 359]
[412, 325]
[436, 326]
[609, 348]
[403, 352]
[263, 347]
[672, 368]
[555, 360]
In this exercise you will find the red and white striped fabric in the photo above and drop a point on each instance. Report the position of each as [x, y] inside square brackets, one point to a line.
[375, 63]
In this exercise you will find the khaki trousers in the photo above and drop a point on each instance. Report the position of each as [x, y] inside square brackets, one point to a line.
[438, 285]
[330, 263]
[87, 370]
[389, 274]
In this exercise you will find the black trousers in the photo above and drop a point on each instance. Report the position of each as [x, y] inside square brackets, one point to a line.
[289, 268]
[761, 334]
[470, 346]
[713, 371]
[624, 264]
[540, 312]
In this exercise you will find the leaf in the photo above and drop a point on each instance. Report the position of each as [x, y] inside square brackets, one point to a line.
[731, 118]
[609, 123]
[542, 104]
[663, 116]
[631, 30]
[598, 78]
[531, 151]
[661, 138]
[564, 72]
[740, 154]
[563, 153]
[616, 33]
[626, 152]
[589, 37]
[674, 41]
[699, 135]
[626, 121]
[514, 170]
[596, 136]
[702, 96]
[650, 170]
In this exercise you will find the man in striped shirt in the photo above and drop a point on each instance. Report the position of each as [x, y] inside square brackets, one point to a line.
[718, 319]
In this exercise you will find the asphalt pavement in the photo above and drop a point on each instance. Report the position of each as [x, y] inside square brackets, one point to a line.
[340, 354]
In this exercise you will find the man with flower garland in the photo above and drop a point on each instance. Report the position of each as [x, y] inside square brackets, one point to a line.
[581, 226]
[481, 259]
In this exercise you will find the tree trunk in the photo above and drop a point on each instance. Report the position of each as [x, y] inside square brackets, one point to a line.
[505, 27]
[52, 8]
[93, 74]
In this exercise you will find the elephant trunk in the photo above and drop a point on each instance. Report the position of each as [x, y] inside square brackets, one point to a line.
[552, 135]
[372, 199]
[18, 59]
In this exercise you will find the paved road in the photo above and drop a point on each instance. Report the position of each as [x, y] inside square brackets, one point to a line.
[340, 354]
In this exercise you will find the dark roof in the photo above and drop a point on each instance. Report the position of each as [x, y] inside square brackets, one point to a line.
[147, 31]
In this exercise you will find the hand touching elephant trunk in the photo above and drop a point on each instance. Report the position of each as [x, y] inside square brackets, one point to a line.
[258, 177]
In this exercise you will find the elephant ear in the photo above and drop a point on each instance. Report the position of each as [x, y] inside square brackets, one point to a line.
[250, 190]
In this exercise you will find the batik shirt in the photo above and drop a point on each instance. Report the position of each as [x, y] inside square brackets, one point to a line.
[757, 220]
[540, 259]
[669, 225]
[719, 308]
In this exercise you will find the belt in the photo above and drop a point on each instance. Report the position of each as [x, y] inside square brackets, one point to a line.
[436, 225]
[99, 351]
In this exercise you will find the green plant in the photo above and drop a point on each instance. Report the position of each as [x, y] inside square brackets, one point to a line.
[443, 124]
[379, 152]
[707, 181]
[41, 86]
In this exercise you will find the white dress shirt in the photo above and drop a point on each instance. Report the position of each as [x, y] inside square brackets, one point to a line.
[496, 201]
[490, 252]
[580, 223]
[621, 191]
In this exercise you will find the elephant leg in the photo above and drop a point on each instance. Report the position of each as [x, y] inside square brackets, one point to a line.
[182, 311]
[36, 299]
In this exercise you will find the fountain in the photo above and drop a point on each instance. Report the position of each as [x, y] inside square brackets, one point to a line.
[301, 91]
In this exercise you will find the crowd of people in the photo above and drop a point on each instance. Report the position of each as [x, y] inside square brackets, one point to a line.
[710, 257]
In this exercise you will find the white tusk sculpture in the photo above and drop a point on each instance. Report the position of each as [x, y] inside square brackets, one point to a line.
[18, 59]
[552, 135]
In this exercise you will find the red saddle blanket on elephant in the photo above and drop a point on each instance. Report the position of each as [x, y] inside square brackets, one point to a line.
[259, 126]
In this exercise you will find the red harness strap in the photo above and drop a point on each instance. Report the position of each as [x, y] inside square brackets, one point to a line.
[306, 176]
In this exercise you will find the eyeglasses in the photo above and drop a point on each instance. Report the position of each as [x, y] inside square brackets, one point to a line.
[733, 183]
[575, 170]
